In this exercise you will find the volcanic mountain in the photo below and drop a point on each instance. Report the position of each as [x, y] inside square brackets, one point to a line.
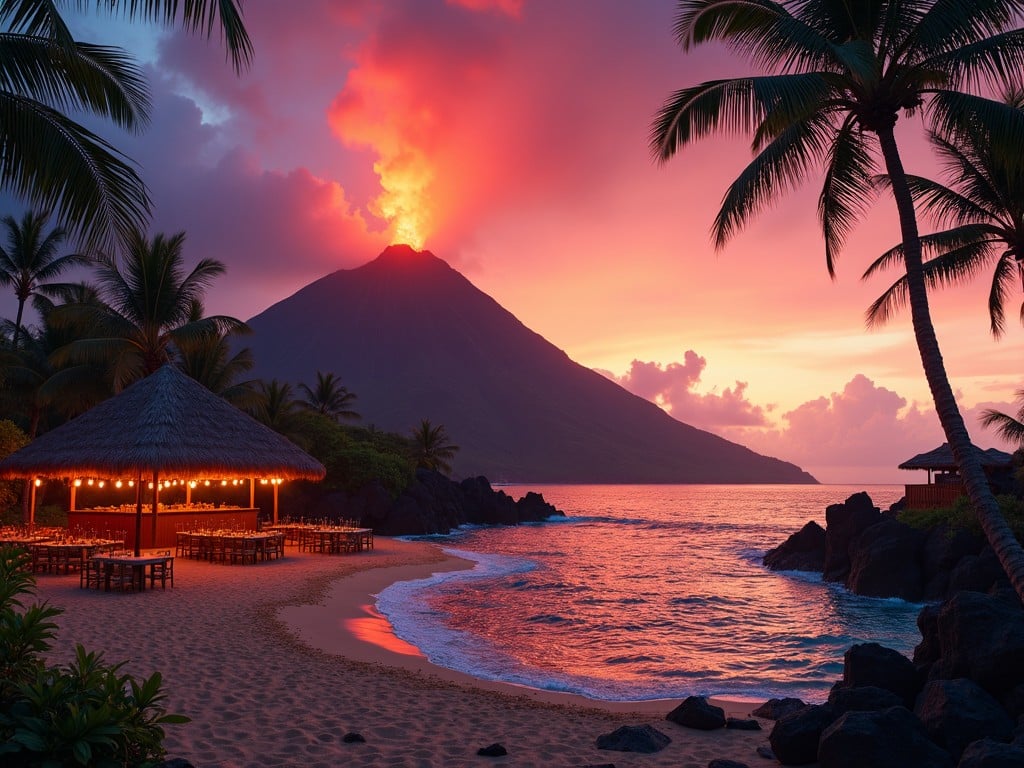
[415, 340]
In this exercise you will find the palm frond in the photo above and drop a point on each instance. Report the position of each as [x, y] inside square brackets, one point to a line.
[693, 113]
[847, 191]
[1005, 279]
[781, 165]
[57, 165]
[1008, 428]
[196, 16]
[99, 79]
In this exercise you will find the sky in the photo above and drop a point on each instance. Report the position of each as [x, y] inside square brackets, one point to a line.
[510, 138]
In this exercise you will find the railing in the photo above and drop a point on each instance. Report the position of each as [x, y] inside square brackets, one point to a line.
[934, 495]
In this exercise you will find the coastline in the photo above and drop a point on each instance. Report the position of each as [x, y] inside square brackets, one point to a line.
[276, 662]
[345, 623]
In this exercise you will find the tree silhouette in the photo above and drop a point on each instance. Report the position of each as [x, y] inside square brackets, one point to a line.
[840, 75]
[432, 448]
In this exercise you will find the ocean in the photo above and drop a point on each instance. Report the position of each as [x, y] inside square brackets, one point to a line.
[649, 592]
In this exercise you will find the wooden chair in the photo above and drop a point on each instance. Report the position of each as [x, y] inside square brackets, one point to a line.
[273, 547]
[91, 574]
[162, 571]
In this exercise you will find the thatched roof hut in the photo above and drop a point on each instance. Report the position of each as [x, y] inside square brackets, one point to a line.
[168, 423]
[941, 459]
[164, 424]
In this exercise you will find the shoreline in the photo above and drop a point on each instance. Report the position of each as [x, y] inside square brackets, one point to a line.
[346, 623]
[258, 692]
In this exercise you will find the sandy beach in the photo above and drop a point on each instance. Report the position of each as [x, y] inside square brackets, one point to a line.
[276, 662]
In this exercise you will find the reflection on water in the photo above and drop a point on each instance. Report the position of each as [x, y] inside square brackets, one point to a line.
[650, 592]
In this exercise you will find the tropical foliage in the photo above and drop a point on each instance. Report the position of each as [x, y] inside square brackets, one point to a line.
[31, 259]
[148, 305]
[983, 208]
[53, 162]
[838, 77]
[329, 397]
[432, 447]
[86, 713]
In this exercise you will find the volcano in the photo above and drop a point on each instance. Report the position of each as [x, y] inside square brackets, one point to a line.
[414, 339]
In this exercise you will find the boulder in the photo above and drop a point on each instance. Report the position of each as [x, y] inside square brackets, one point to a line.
[862, 698]
[890, 738]
[885, 561]
[956, 712]
[981, 637]
[945, 546]
[433, 503]
[875, 665]
[843, 523]
[794, 737]
[696, 712]
[634, 738]
[773, 709]
[975, 573]
[493, 750]
[742, 724]
[802, 551]
[928, 651]
[720, 763]
[986, 753]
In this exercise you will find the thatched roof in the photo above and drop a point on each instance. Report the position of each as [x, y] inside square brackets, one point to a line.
[942, 459]
[167, 423]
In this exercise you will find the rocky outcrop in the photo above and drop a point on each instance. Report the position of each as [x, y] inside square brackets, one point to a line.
[803, 551]
[696, 712]
[433, 504]
[956, 703]
[872, 553]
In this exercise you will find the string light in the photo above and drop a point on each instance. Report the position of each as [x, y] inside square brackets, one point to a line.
[78, 482]
[118, 484]
[38, 482]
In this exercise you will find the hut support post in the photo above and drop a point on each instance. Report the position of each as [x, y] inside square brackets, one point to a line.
[275, 503]
[32, 505]
[252, 493]
[138, 515]
[156, 504]
[74, 492]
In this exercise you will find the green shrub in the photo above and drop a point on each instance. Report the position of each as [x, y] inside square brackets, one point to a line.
[960, 516]
[85, 713]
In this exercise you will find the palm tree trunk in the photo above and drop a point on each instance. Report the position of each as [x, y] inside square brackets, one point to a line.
[17, 322]
[998, 533]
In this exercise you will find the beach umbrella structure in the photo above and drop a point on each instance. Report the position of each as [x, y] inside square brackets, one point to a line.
[166, 424]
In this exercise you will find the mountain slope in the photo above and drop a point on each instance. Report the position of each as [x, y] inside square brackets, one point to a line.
[414, 339]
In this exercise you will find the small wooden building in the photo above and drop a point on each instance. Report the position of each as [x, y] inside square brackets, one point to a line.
[944, 484]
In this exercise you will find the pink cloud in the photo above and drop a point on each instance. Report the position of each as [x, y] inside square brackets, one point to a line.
[672, 387]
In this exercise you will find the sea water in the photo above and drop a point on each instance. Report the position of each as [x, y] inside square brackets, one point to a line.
[649, 592]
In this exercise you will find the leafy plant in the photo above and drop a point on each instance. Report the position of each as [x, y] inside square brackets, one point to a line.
[960, 516]
[86, 713]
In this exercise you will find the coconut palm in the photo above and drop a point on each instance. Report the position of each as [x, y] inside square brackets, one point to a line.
[209, 358]
[839, 75]
[147, 309]
[277, 407]
[433, 448]
[49, 159]
[983, 206]
[329, 397]
[31, 258]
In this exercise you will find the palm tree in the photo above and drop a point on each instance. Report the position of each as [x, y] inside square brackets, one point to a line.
[277, 407]
[984, 209]
[208, 358]
[841, 73]
[433, 448]
[329, 397]
[147, 310]
[49, 159]
[30, 259]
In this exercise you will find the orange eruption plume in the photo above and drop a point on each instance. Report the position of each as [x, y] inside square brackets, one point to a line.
[373, 111]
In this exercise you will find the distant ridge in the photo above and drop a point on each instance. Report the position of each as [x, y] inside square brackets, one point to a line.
[414, 339]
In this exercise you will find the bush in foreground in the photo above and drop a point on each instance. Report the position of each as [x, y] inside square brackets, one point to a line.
[85, 713]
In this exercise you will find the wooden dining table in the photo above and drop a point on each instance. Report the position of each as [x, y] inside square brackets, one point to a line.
[111, 570]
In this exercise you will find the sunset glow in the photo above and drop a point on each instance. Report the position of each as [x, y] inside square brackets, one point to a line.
[472, 128]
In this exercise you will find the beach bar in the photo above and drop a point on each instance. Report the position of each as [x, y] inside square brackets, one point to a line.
[161, 431]
[944, 484]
